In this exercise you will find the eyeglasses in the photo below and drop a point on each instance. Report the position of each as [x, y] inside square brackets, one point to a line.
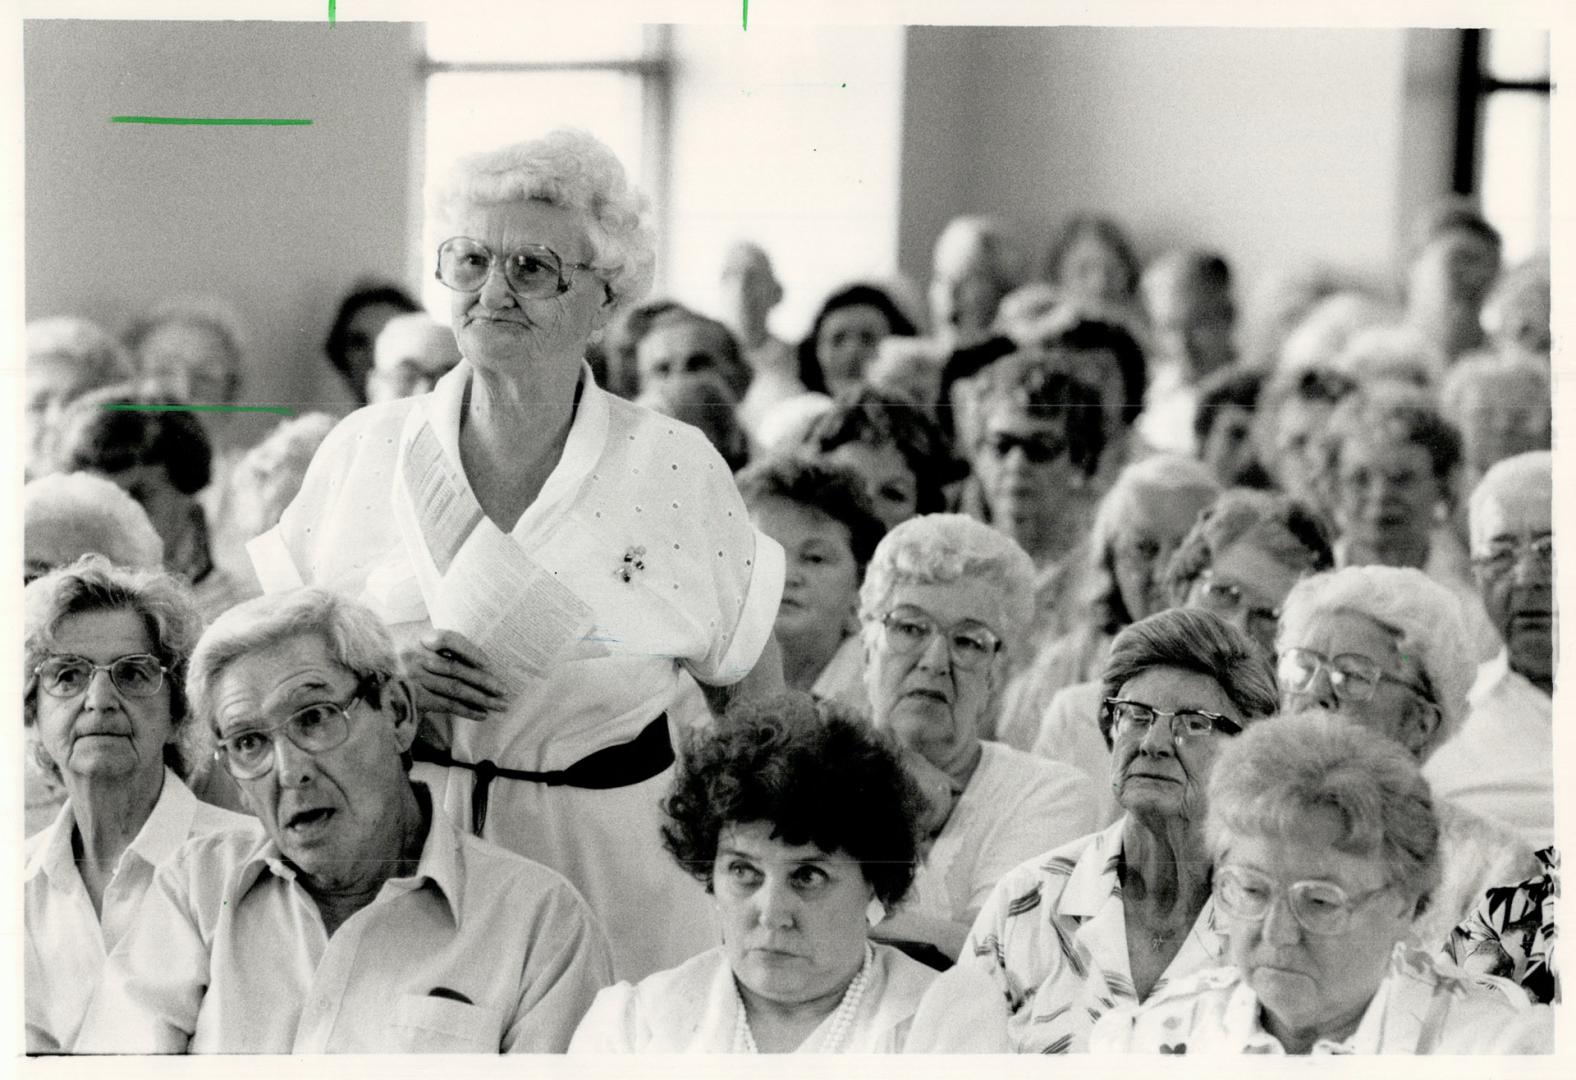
[532, 271]
[970, 646]
[1038, 449]
[314, 729]
[1226, 600]
[1320, 907]
[137, 676]
[1126, 717]
[1503, 556]
[1353, 677]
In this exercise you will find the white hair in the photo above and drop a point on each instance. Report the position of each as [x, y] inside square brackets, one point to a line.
[97, 515]
[98, 356]
[1323, 333]
[209, 312]
[1391, 352]
[574, 170]
[1426, 617]
[1157, 472]
[1529, 474]
[937, 549]
[1485, 369]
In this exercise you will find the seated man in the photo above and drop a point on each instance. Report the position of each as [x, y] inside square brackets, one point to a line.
[363, 921]
[1500, 765]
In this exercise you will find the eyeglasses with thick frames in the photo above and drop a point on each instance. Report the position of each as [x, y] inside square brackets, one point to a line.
[137, 675]
[1126, 717]
[1320, 907]
[1353, 677]
[969, 645]
[316, 728]
[532, 271]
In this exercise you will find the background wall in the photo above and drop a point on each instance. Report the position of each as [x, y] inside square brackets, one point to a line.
[280, 221]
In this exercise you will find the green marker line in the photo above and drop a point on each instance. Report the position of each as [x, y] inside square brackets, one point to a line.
[746, 14]
[280, 410]
[331, 12]
[223, 121]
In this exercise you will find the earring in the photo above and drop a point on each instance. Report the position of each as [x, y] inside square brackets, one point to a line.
[875, 912]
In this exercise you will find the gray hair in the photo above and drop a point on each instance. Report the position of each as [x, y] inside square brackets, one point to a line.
[937, 549]
[93, 584]
[1425, 617]
[1530, 473]
[100, 358]
[97, 514]
[1195, 641]
[574, 170]
[356, 639]
[1269, 780]
[1391, 352]
[208, 312]
[1489, 370]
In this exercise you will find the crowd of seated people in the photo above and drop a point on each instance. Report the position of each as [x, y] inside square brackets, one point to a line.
[1070, 665]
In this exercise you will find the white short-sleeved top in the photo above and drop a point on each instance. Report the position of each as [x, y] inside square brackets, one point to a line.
[628, 478]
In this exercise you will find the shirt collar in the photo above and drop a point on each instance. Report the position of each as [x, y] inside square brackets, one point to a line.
[166, 829]
[1093, 880]
[441, 862]
[1385, 1025]
[1490, 673]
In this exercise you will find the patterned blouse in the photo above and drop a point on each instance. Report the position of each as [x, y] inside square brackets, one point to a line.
[1053, 939]
[1511, 934]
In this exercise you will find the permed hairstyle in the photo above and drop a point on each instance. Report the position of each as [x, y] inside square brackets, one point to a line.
[96, 515]
[816, 773]
[819, 485]
[937, 549]
[1425, 617]
[864, 415]
[1270, 779]
[1284, 529]
[857, 295]
[97, 439]
[1046, 389]
[1194, 641]
[98, 357]
[1389, 410]
[93, 585]
[574, 170]
[1096, 335]
[1097, 227]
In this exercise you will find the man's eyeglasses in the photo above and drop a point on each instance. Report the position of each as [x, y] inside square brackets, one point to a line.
[532, 271]
[1128, 717]
[1503, 556]
[969, 645]
[314, 729]
[1353, 677]
[1320, 907]
[1038, 449]
[138, 675]
[1226, 600]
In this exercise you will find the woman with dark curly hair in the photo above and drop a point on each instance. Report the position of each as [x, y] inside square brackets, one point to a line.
[802, 824]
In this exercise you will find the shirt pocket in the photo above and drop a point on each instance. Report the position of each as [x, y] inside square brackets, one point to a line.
[436, 1025]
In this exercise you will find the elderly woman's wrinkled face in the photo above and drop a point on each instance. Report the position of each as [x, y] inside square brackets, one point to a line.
[793, 916]
[1092, 270]
[1503, 416]
[1385, 493]
[821, 582]
[1312, 985]
[188, 361]
[846, 344]
[1144, 540]
[1515, 581]
[1023, 464]
[1154, 772]
[893, 488]
[328, 811]
[924, 698]
[1396, 706]
[102, 733]
[1245, 585]
[502, 333]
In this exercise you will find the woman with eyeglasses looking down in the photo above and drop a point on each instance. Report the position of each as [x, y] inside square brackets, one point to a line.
[944, 604]
[1112, 917]
[1386, 648]
[562, 569]
[1325, 847]
[104, 652]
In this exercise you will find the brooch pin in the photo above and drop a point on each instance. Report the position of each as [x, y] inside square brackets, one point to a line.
[634, 559]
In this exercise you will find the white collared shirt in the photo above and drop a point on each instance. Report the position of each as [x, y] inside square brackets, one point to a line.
[479, 951]
[66, 943]
[1053, 939]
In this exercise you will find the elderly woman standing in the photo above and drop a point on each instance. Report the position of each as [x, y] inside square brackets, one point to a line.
[561, 566]
[803, 826]
[104, 651]
[1112, 917]
[1385, 647]
[1325, 848]
[944, 605]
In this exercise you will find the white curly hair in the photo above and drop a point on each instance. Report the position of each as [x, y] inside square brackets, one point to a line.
[96, 514]
[572, 169]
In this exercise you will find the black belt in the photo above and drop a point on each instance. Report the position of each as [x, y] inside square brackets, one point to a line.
[624, 765]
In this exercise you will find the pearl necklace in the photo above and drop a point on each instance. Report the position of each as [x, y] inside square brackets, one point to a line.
[842, 1019]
